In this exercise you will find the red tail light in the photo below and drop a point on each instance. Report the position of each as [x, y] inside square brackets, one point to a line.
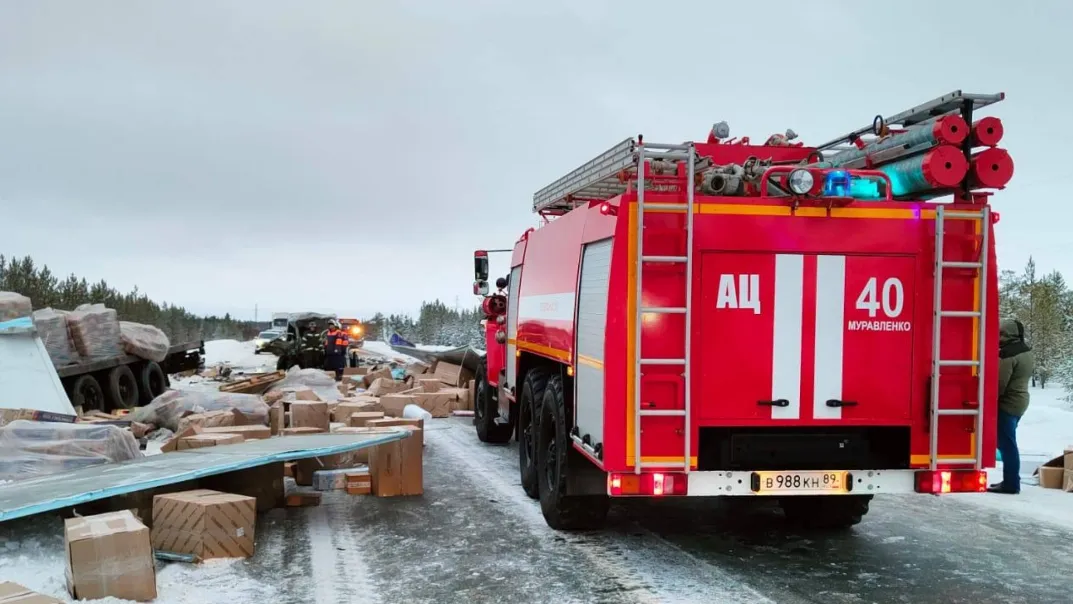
[651, 484]
[951, 481]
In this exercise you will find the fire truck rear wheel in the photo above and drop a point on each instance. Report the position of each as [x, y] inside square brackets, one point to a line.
[561, 511]
[536, 380]
[826, 511]
[486, 410]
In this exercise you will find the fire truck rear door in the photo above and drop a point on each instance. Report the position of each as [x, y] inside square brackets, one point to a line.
[812, 338]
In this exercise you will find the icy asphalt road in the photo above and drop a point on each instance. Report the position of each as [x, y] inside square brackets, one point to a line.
[475, 537]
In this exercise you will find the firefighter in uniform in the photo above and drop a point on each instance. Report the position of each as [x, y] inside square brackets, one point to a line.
[1017, 363]
[336, 342]
[310, 347]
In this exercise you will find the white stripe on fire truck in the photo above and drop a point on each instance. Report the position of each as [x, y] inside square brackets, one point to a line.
[547, 307]
[830, 313]
[786, 347]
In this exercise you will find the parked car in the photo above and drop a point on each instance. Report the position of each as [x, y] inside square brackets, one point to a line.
[264, 338]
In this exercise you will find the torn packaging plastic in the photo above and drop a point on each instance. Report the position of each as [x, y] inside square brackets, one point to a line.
[14, 306]
[95, 331]
[315, 379]
[167, 409]
[51, 327]
[144, 341]
[29, 449]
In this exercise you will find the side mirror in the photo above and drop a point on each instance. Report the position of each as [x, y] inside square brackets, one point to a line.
[480, 288]
[480, 265]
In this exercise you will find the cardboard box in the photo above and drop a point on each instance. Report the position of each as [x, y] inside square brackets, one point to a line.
[247, 432]
[362, 418]
[429, 384]
[209, 419]
[393, 404]
[288, 469]
[302, 431]
[359, 482]
[207, 524]
[382, 386]
[306, 395]
[306, 469]
[396, 467]
[334, 480]
[109, 555]
[355, 370]
[276, 418]
[310, 414]
[388, 422]
[439, 404]
[13, 593]
[198, 441]
[172, 444]
[472, 395]
[379, 372]
[10, 415]
[452, 375]
[343, 411]
[302, 499]
[1052, 473]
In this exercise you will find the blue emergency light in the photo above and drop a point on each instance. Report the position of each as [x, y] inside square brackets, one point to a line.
[839, 183]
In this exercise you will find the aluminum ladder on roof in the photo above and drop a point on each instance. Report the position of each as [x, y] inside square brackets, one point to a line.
[979, 314]
[687, 153]
[957, 101]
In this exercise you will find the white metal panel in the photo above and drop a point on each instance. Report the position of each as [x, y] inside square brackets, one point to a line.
[590, 334]
[513, 296]
[28, 380]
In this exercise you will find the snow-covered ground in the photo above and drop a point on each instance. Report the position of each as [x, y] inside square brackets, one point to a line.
[1044, 432]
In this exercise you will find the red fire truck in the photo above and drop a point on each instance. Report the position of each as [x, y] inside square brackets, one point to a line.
[722, 318]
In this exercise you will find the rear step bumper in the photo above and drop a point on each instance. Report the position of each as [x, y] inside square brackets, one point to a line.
[794, 483]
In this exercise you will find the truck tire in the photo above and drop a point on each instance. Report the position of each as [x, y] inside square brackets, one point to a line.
[536, 380]
[485, 412]
[86, 393]
[561, 511]
[122, 388]
[825, 512]
[151, 382]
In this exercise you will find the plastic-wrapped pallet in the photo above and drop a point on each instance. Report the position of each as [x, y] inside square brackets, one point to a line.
[51, 325]
[95, 331]
[167, 409]
[14, 306]
[144, 341]
[316, 380]
[29, 448]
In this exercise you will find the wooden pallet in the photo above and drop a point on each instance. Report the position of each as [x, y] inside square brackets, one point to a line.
[253, 385]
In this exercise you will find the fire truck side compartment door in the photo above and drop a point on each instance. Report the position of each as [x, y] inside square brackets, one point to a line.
[513, 295]
[591, 327]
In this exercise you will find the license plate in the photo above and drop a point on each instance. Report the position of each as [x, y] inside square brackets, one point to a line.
[802, 482]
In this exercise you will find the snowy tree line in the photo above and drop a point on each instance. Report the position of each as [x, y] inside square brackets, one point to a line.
[435, 324]
[1044, 304]
[47, 289]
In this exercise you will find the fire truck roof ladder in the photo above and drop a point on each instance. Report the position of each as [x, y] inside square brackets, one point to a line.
[978, 315]
[640, 361]
[601, 177]
[957, 101]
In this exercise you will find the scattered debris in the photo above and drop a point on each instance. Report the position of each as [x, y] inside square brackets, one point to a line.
[109, 555]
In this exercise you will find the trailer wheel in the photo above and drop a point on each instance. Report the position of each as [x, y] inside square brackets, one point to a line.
[561, 511]
[151, 382]
[86, 393]
[486, 410]
[122, 388]
[536, 380]
[828, 512]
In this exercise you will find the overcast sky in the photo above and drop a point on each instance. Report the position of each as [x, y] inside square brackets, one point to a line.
[349, 156]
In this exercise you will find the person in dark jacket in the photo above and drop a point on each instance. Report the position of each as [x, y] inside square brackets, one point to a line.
[1017, 363]
[336, 342]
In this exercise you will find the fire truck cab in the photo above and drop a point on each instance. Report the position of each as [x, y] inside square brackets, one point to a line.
[722, 318]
